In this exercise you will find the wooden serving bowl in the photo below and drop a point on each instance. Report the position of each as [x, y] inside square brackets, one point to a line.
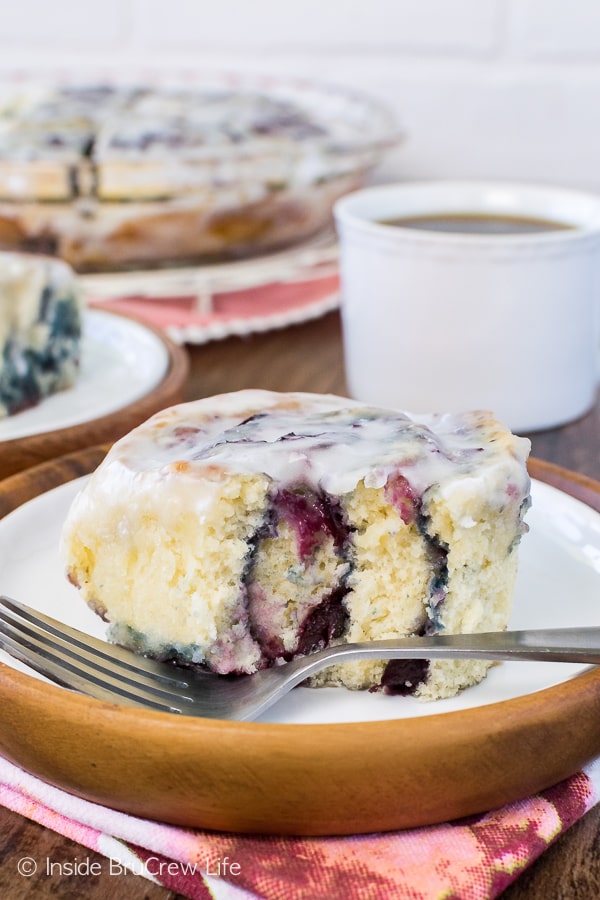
[295, 779]
[24, 452]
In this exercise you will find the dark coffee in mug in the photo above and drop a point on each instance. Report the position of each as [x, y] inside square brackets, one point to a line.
[476, 223]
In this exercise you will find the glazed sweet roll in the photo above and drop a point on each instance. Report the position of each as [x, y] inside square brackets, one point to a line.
[239, 531]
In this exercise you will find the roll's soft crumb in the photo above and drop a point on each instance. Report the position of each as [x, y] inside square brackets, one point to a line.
[239, 531]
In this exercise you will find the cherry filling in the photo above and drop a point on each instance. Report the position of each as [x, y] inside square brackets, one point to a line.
[400, 495]
[311, 515]
[315, 521]
[324, 623]
[403, 676]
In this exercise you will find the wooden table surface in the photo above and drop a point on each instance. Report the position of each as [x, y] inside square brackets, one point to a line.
[305, 357]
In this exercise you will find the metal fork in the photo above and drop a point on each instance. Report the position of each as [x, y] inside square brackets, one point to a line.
[83, 663]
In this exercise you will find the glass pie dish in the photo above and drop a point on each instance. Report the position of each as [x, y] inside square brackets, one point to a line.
[144, 170]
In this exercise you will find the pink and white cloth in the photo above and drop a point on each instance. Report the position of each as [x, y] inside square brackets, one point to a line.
[473, 859]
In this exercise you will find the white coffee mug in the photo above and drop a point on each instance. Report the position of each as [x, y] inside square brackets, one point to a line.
[447, 321]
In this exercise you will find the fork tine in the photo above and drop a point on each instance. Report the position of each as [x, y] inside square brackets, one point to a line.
[17, 613]
[74, 659]
[62, 672]
[108, 672]
[72, 663]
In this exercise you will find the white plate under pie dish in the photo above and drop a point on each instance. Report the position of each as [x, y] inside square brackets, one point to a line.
[203, 303]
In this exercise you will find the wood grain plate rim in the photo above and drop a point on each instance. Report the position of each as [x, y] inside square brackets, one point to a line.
[17, 454]
[296, 779]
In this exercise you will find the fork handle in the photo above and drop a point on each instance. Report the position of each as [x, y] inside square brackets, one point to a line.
[575, 645]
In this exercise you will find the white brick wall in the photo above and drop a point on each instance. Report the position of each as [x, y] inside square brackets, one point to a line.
[556, 29]
[463, 26]
[27, 26]
[483, 88]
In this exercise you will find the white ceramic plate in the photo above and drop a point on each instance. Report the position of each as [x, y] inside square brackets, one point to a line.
[121, 361]
[558, 586]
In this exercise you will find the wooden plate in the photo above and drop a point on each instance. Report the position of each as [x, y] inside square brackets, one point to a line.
[296, 779]
[23, 452]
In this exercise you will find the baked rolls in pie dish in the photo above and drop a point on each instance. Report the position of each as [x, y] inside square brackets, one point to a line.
[120, 175]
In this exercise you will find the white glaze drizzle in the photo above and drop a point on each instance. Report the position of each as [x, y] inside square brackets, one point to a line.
[322, 440]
